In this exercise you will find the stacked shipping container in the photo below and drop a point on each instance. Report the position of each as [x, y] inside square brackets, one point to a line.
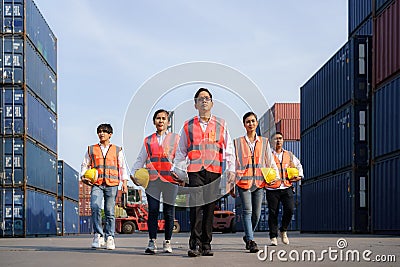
[349, 128]
[28, 121]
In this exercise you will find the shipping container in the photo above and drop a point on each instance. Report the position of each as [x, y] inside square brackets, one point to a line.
[290, 128]
[84, 190]
[68, 181]
[84, 206]
[386, 41]
[85, 225]
[20, 63]
[41, 123]
[359, 12]
[70, 216]
[18, 155]
[365, 28]
[380, 5]
[385, 197]
[285, 111]
[338, 142]
[293, 146]
[60, 216]
[183, 217]
[326, 204]
[343, 79]
[27, 213]
[386, 119]
[37, 30]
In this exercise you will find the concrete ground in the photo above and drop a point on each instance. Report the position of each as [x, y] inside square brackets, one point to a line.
[304, 250]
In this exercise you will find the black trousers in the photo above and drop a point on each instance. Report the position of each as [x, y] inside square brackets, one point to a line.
[203, 195]
[274, 198]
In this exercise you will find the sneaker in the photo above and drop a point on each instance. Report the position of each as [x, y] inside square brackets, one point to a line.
[194, 252]
[98, 241]
[274, 241]
[110, 243]
[151, 247]
[167, 246]
[285, 239]
[253, 246]
[246, 242]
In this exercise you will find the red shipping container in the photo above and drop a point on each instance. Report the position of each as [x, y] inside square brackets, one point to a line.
[84, 190]
[386, 43]
[84, 206]
[290, 128]
[285, 111]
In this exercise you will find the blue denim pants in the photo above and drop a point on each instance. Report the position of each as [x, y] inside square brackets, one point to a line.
[108, 194]
[251, 204]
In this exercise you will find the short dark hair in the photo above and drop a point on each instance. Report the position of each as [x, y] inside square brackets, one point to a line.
[248, 114]
[105, 126]
[278, 133]
[160, 111]
[202, 89]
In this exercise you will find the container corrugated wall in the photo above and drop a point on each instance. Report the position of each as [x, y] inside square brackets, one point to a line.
[345, 77]
[385, 197]
[41, 213]
[386, 39]
[359, 12]
[386, 119]
[294, 146]
[290, 128]
[326, 204]
[68, 181]
[381, 5]
[71, 217]
[85, 224]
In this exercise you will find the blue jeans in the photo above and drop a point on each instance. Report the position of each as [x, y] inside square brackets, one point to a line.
[108, 193]
[251, 205]
[169, 192]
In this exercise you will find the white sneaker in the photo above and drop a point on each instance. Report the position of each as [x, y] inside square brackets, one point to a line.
[167, 246]
[98, 241]
[110, 243]
[285, 239]
[151, 247]
[274, 241]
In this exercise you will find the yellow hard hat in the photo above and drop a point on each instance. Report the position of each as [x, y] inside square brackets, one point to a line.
[292, 172]
[91, 175]
[142, 177]
[269, 174]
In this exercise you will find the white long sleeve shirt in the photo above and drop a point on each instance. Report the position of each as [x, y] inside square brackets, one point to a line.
[296, 163]
[182, 150]
[122, 171]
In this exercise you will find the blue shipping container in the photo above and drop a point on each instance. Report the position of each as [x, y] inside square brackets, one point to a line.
[364, 29]
[326, 204]
[12, 117]
[345, 77]
[183, 217]
[359, 12]
[12, 212]
[385, 197]
[59, 216]
[68, 181]
[380, 5]
[386, 119]
[293, 146]
[14, 159]
[12, 21]
[85, 224]
[70, 216]
[41, 213]
[38, 76]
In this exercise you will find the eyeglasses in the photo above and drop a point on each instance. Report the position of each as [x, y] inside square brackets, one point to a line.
[103, 131]
[206, 99]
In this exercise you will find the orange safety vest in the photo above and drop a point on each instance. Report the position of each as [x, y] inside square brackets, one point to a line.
[250, 164]
[205, 148]
[107, 167]
[287, 160]
[160, 157]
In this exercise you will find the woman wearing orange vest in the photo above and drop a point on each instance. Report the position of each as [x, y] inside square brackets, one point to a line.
[157, 154]
[109, 162]
[280, 191]
[204, 142]
[253, 152]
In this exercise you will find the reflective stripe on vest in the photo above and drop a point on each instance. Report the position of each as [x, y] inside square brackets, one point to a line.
[160, 158]
[205, 149]
[287, 160]
[107, 167]
[250, 164]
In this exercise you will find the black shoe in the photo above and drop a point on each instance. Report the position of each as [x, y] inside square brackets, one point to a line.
[246, 242]
[194, 252]
[253, 247]
[207, 252]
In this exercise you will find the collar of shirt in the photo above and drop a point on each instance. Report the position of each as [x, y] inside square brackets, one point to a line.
[203, 124]
[104, 149]
[279, 155]
[252, 145]
[160, 138]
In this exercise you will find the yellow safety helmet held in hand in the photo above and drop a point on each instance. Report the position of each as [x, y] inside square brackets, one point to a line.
[142, 177]
[91, 175]
[292, 172]
[269, 174]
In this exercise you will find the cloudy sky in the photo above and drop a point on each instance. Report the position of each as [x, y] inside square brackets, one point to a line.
[109, 50]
